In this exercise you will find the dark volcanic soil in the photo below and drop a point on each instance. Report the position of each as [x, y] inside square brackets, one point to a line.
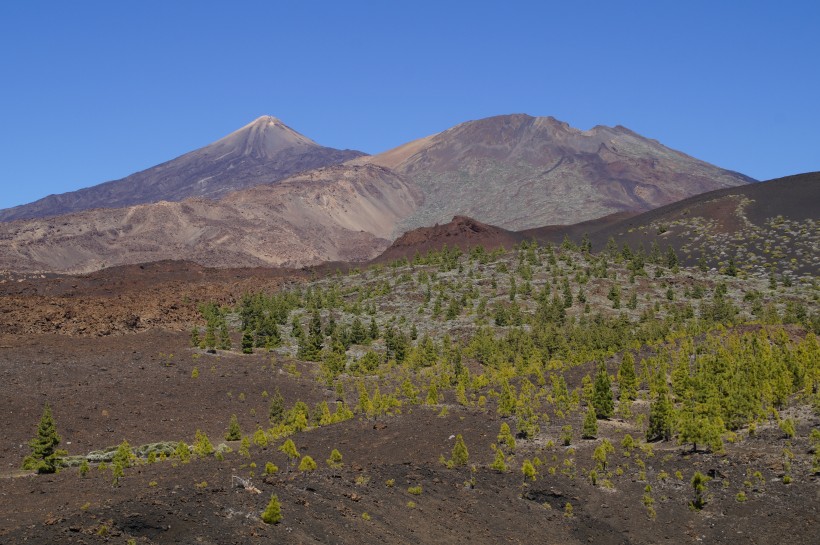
[104, 390]
[107, 389]
[108, 381]
[126, 299]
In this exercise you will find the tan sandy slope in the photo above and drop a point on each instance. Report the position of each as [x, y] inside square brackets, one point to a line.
[335, 213]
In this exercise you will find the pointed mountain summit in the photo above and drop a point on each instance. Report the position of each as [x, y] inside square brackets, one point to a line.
[264, 138]
[264, 151]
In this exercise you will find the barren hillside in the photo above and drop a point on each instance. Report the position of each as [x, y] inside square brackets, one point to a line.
[339, 213]
[263, 151]
[520, 172]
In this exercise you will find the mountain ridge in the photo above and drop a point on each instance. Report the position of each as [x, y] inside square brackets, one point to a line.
[552, 173]
[263, 151]
[516, 172]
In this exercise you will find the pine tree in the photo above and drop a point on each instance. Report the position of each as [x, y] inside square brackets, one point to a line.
[210, 337]
[586, 244]
[124, 456]
[310, 348]
[459, 455]
[627, 380]
[612, 248]
[499, 463]
[599, 456]
[602, 398]
[202, 445]
[183, 452]
[590, 429]
[234, 431]
[267, 334]
[334, 361]
[505, 437]
[566, 435]
[117, 472]
[247, 342]
[661, 417]
[699, 481]
[567, 292]
[273, 512]
[506, 400]
[289, 448]
[697, 427]
[45, 457]
[335, 460]
[671, 258]
[432, 394]
[224, 338]
[330, 326]
[307, 465]
[655, 253]
[528, 470]
[358, 333]
[277, 407]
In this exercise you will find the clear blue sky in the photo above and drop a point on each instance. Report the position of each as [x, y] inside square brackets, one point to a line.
[95, 90]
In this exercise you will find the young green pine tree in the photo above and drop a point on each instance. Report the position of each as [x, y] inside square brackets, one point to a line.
[124, 455]
[590, 429]
[289, 448]
[699, 481]
[234, 431]
[505, 437]
[277, 407]
[499, 463]
[273, 512]
[335, 461]
[627, 380]
[224, 337]
[247, 342]
[202, 445]
[307, 465]
[602, 397]
[459, 455]
[210, 338]
[661, 417]
[528, 469]
[310, 348]
[45, 457]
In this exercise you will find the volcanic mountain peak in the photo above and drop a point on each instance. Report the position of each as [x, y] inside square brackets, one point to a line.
[265, 137]
[264, 151]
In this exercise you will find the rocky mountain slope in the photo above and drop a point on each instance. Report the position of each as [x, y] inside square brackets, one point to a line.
[764, 228]
[337, 213]
[516, 172]
[520, 172]
[263, 151]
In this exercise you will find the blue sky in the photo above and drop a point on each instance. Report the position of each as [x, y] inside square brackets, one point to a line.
[93, 91]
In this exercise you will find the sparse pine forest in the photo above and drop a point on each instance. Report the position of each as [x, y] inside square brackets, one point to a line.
[617, 370]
